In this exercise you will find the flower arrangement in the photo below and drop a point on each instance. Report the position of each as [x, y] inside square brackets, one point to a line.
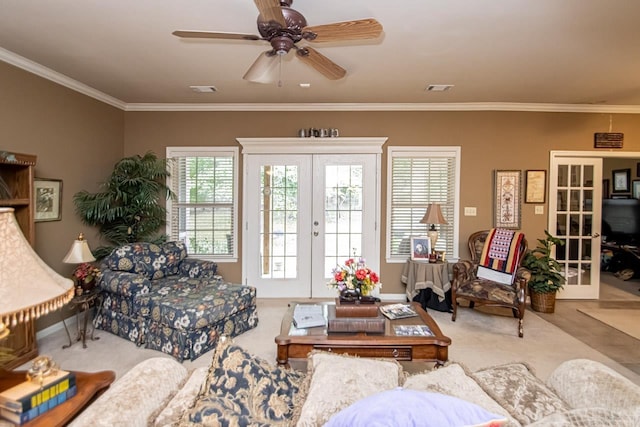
[86, 273]
[354, 276]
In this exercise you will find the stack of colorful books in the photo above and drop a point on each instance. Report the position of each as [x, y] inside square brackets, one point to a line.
[29, 399]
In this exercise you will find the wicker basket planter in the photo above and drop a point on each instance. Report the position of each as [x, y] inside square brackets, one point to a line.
[543, 302]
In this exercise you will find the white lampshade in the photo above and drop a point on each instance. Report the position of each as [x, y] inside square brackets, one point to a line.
[79, 252]
[29, 288]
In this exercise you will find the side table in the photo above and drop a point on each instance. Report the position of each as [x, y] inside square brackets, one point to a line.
[90, 385]
[82, 305]
[429, 282]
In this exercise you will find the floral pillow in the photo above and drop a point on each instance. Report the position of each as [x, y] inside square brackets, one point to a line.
[242, 386]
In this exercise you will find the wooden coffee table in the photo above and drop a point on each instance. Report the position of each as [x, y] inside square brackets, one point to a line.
[295, 344]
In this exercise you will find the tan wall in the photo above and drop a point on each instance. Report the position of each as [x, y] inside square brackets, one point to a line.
[77, 139]
[489, 141]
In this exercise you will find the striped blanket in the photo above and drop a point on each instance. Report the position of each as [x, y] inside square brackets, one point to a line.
[500, 254]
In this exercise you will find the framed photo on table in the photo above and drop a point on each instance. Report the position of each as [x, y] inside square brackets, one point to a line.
[536, 186]
[621, 180]
[48, 199]
[420, 248]
[507, 198]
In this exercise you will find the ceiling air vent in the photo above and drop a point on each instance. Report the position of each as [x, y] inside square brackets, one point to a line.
[438, 88]
[203, 89]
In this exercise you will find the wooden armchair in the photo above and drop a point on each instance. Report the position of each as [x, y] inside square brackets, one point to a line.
[485, 292]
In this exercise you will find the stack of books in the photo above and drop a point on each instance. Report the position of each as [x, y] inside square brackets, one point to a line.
[27, 400]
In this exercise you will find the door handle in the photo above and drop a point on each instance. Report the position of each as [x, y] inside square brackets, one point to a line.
[594, 236]
[315, 234]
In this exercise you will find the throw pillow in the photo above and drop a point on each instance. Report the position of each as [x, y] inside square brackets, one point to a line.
[408, 408]
[520, 392]
[590, 417]
[336, 381]
[256, 388]
[453, 380]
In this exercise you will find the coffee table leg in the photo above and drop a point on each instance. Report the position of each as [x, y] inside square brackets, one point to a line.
[283, 355]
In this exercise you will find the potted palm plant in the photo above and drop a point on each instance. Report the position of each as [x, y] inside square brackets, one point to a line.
[546, 279]
[128, 207]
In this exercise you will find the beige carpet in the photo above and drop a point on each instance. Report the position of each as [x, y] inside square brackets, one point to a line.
[478, 340]
[625, 320]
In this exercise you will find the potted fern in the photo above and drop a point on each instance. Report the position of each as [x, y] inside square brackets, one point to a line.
[546, 279]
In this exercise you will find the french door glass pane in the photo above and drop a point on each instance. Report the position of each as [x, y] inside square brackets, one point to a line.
[278, 221]
[343, 214]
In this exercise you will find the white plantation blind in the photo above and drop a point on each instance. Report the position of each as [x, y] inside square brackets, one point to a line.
[203, 215]
[417, 178]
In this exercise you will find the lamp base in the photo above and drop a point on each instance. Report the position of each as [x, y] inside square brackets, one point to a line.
[433, 238]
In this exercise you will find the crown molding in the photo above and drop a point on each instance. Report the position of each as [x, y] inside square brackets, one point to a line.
[462, 106]
[47, 73]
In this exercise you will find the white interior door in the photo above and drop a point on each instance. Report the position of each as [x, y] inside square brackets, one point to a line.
[575, 188]
[305, 214]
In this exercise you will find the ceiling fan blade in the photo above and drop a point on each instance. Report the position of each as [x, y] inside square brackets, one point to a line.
[271, 11]
[214, 35]
[321, 63]
[263, 68]
[360, 29]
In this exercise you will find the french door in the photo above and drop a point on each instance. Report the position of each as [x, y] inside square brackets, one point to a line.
[575, 189]
[304, 214]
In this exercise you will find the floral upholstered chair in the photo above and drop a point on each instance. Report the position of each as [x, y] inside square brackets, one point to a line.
[493, 277]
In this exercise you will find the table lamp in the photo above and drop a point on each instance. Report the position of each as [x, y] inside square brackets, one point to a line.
[433, 216]
[79, 253]
[29, 288]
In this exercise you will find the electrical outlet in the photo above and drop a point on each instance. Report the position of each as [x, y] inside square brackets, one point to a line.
[539, 210]
[470, 211]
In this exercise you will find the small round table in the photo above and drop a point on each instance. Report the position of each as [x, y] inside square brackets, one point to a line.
[82, 304]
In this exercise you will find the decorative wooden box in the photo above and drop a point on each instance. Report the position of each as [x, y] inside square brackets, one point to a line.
[356, 309]
[371, 325]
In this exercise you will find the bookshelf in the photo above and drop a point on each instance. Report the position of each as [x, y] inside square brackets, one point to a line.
[17, 173]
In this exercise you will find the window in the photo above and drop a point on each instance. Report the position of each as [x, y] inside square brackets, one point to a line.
[416, 177]
[204, 213]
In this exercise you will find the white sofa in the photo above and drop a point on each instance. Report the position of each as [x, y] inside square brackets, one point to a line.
[239, 389]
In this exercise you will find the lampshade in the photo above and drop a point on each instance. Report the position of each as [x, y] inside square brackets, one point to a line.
[433, 215]
[29, 288]
[79, 252]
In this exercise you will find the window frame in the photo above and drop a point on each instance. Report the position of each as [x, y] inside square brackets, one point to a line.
[173, 152]
[453, 152]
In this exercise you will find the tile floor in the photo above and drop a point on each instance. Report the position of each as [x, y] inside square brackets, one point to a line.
[614, 293]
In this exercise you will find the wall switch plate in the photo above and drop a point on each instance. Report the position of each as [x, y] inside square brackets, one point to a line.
[470, 211]
[539, 210]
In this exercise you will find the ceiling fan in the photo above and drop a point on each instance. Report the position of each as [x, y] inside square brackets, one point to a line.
[283, 28]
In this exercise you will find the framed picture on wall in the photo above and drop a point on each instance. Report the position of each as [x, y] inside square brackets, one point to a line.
[48, 199]
[507, 198]
[536, 186]
[621, 180]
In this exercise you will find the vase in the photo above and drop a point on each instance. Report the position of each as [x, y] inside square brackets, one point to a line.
[87, 286]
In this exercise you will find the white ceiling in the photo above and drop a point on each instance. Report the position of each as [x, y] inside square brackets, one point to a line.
[557, 52]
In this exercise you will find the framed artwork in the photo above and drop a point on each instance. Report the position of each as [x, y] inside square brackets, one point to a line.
[606, 192]
[536, 186]
[635, 189]
[507, 198]
[621, 180]
[420, 248]
[48, 199]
